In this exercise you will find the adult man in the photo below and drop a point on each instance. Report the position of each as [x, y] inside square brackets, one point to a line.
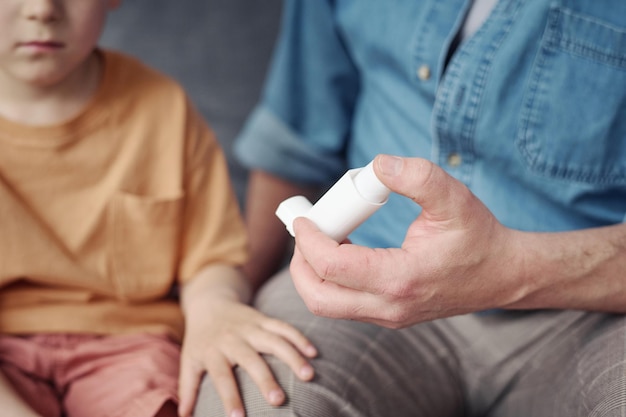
[519, 107]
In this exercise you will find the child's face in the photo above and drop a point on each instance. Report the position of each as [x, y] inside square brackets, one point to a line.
[44, 41]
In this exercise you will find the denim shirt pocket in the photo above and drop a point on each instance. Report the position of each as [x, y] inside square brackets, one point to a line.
[573, 119]
[143, 244]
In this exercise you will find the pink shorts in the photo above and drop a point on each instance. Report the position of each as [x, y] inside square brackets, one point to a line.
[97, 376]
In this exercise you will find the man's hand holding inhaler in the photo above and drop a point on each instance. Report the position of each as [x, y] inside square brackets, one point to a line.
[456, 258]
[440, 270]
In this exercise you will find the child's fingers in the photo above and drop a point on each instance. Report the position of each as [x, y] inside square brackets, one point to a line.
[220, 370]
[292, 335]
[188, 382]
[283, 348]
[249, 359]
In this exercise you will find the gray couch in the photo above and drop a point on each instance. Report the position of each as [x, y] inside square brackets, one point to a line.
[218, 49]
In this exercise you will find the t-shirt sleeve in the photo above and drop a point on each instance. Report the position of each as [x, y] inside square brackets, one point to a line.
[213, 229]
[301, 127]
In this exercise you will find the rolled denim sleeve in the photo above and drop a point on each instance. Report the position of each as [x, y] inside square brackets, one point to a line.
[301, 128]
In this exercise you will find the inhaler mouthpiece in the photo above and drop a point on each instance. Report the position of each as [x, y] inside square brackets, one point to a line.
[347, 204]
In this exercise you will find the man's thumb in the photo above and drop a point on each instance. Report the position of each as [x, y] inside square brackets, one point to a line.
[423, 182]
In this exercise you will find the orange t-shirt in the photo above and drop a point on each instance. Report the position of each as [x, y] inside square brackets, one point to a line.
[101, 216]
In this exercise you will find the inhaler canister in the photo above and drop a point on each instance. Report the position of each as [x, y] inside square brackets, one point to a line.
[347, 204]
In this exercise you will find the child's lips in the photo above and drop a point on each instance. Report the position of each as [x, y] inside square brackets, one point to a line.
[42, 45]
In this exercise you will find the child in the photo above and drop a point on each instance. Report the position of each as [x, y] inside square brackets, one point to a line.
[113, 192]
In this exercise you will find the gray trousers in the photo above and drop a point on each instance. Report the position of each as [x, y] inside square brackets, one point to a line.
[501, 364]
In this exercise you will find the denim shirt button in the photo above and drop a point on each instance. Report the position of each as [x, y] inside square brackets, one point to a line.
[423, 72]
[454, 159]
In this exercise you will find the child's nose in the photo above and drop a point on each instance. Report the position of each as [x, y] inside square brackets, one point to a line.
[42, 10]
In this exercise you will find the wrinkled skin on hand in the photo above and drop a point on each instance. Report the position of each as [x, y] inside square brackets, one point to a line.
[454, 258]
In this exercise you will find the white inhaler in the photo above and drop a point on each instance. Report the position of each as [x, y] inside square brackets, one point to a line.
[347, 204]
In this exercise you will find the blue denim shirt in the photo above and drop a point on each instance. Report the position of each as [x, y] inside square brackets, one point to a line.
[529, 112]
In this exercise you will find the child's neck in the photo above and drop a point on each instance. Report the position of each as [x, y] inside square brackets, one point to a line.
[54, 104]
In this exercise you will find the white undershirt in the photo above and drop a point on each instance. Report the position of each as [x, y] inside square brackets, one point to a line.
[478, 13]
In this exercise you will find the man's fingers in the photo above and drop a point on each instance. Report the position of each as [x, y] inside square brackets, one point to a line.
[328, 258]
[326, 298]
[425, 183]
[339, 264]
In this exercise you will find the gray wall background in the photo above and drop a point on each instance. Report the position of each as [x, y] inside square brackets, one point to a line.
[218, 50]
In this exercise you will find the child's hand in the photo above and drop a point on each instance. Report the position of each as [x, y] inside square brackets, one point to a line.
[222, 333]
